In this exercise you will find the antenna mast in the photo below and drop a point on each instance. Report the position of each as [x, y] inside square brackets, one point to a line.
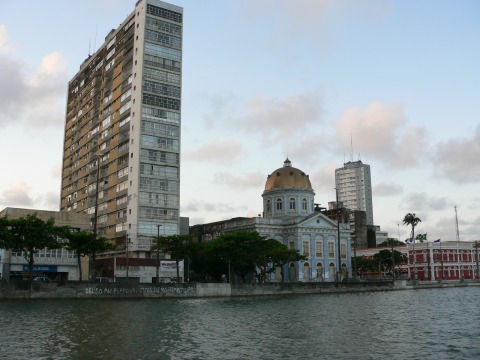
[351, 148]
[456, 224]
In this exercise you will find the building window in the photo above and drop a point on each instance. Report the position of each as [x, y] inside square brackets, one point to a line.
[319, 249]
[343, 251]
[306, 251]
[319, 271]
[331, 249]
[279, 204]
[292, 205]
[304, 205]
[291, 245]
[269, 206]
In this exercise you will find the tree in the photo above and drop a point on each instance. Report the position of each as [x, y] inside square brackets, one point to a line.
[281, 255]
[246, 252]
[384, 258]
[178, 246]
[411, 220]
[391, 242]
[85, 243]
[28, 235]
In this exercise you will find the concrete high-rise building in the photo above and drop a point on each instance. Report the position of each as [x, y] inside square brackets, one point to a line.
[354, 187]
[121, 155]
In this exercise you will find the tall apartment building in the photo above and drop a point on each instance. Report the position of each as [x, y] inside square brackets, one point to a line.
[354, 188]
[121, 155]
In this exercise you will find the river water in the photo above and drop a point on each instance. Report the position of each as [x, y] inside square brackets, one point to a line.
[415, 324]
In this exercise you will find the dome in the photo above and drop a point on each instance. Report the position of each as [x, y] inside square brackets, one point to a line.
[287, 177]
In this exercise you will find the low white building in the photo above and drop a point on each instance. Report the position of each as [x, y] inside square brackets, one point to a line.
[57, 264]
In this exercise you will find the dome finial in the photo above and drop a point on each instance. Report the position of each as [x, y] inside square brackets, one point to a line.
[287, 163]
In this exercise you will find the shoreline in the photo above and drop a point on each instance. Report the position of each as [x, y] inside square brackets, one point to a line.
[104, 290]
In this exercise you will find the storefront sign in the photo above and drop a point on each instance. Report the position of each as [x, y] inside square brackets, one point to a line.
[41, 268]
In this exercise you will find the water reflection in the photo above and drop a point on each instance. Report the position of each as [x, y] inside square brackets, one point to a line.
[423, 324]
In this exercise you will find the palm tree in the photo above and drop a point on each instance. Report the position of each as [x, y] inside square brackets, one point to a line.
[411, 220]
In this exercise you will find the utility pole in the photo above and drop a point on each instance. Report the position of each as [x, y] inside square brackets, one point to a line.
[95, 216]
[158, 253]
[476, 258]
[127, 246]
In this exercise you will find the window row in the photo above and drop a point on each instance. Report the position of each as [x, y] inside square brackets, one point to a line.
[163, 76]
[159, 114]
[160, 142]
[160, 101]
[164, 13]
[160, 129]
[158, 170]
[162, 89]
[292, 204]
[158, 199]
[157, 24]
[160, 62]
[159, 156]
[159, 185]
[163, 38]
[159, 50]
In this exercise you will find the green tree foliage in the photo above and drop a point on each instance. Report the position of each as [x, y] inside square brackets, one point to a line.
[178, 246]
[246, 252]
[391, 242]
[384, 260]
[85, 243]
[411, 220]
[28, 235]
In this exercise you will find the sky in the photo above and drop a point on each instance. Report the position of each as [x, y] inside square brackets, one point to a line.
[393, 83]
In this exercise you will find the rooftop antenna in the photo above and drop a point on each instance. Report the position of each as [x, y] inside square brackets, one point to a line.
[351, 148]
[89, 44]
[95, 42]
[456, 224]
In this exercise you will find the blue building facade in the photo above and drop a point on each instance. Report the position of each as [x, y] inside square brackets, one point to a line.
[291, 217]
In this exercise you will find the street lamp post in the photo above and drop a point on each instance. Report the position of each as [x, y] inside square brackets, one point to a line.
[338, 238]
[127, 246]
[95, 216]
[158, 253]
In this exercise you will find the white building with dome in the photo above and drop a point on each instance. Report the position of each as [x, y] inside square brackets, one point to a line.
[289, 216]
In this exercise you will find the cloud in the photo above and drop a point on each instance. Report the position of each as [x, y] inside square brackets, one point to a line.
[51, 201]
[323, 183]
[221, 152]
[198, 206]
[17, 195]
[221, 106]
[379, 132]
[457, 159]
[387, 189]
[241, 181]
[422, 202]
[275, 120]
[4, 43]
[311, 21]
[36, 98]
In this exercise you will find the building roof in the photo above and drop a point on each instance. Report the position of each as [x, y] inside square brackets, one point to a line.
[287, 177]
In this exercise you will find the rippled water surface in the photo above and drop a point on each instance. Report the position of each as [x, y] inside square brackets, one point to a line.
[422, 324]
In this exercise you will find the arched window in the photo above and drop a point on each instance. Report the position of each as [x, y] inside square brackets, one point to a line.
[292, 205]
[304, 205]
[269, 205]
[279, 204]
[306, 271]
[319, 271]
[331, 271]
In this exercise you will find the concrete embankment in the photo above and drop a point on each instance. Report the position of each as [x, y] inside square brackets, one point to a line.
[85, 290]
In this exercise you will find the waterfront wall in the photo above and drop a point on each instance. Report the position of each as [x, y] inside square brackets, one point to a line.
[103, 290]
